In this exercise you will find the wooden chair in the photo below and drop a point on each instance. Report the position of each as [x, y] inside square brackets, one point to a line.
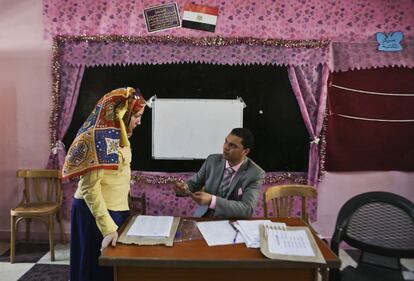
[42, 198]
[281, 197]
[137, 205]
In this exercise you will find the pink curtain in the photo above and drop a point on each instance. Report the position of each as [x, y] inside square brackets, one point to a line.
[309, 85]
[70, 80]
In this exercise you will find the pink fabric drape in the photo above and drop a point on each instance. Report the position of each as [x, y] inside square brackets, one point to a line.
[309, 85]
[344, 21]
[70, 80]
[75, 51]
[351, 24]
[161, 199]
[351, 56]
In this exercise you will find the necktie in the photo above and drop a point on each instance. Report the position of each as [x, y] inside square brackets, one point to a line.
[225, 182]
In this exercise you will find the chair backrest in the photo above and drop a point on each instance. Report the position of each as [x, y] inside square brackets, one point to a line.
[380, 223]
[137, 205]
[282, 198]
[41, 185]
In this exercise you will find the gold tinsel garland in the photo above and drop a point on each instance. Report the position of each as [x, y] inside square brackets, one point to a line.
[54, 115]
[322, 147]
[157, 179]
[216, 41]
[59, 41]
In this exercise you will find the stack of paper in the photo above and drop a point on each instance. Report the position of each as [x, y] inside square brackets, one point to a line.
[226, 232]
[151, 226]
[249, 229]
[295, 243]
[288, 242]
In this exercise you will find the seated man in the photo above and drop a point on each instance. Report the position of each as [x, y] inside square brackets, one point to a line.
[228, 184]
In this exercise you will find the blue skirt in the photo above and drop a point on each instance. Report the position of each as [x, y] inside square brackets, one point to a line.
[85, 243]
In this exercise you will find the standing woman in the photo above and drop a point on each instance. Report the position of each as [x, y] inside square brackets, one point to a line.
[101, 156]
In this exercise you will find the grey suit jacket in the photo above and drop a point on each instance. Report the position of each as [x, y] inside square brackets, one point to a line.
[243, 195]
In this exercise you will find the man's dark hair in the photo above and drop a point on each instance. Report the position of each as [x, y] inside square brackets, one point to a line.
[246, 136]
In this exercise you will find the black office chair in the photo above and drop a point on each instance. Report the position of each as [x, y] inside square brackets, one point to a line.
[381, 225]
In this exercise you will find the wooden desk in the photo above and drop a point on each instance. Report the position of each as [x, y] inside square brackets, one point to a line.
[196, 261]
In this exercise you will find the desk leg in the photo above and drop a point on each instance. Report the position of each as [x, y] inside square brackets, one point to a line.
[324, 274]
[115, 273]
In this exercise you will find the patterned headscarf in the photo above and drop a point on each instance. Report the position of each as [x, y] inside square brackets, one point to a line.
[98, 140]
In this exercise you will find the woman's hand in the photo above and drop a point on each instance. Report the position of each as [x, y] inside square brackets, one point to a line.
[111, 238]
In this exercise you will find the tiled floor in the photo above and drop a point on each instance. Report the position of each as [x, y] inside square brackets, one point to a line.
[33, 263]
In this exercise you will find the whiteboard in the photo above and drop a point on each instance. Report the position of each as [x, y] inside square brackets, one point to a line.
[192, 128]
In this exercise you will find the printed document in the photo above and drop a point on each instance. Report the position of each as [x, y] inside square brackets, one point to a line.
[289, 242]
[151, 226]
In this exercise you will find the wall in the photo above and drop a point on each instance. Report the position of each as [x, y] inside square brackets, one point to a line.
[25, 97]
[337, 188]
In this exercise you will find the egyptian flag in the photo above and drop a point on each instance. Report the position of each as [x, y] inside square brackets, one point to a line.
[200, 17]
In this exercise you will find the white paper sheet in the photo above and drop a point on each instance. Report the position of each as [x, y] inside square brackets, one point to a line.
[249, 229]
[151, 226]
[219, 233]
[289, 242]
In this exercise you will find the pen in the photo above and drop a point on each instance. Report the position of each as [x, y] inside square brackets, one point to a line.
[235, 237]
[235, 229]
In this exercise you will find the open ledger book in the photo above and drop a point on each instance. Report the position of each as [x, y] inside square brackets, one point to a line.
[295, 243]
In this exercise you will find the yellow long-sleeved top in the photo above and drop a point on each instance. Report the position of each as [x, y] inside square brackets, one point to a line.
[105, 190]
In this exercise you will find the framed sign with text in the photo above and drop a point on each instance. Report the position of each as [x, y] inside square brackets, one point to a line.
[162, 17]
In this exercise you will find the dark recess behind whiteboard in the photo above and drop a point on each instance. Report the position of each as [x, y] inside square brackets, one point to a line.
[282, 142]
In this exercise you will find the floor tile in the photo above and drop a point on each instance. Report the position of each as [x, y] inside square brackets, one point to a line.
[408, 263]
[47, 272]
[26, 252]
[62, 253]
[408, 275]
[12, 272]
[346, 259]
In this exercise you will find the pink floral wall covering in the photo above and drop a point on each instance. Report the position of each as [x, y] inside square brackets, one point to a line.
[341, 21]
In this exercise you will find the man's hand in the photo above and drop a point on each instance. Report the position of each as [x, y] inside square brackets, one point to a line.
[201, 197]
[111, 238]
[181, 188]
